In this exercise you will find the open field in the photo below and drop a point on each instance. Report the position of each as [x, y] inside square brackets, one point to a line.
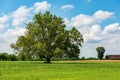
[60, 70]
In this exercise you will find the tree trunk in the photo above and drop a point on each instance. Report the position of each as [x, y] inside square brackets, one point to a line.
[41, 57]
[47, 60]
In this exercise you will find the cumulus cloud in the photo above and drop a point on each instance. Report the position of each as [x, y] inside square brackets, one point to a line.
[41, 6]
[14, 32]
[19, 16]
[102, 15]
[93, 35]
[90, 25]
[82, 20]
[2, 26]
[3, 21]
[112, 44]
[112, 28]
[10, 36]
[23, 12]
[86, 20]
[109, 37]
[68, 6]
[110, 33]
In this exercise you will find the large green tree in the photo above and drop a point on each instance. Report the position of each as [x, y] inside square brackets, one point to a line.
[47, 37]
[100, 51]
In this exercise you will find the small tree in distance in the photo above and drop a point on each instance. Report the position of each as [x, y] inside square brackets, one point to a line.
[100, 51]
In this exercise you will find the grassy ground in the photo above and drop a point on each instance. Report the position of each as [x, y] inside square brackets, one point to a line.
[60, 70]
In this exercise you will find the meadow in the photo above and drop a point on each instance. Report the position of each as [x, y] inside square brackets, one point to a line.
[59, 70]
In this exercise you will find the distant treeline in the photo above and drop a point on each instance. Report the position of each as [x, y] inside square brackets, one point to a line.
[14, 57]
[8, 57]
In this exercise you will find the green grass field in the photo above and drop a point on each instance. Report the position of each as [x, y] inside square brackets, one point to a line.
[31, 70]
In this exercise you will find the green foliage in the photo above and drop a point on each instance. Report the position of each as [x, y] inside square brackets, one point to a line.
[59, 70]
[7, 57]
[83, 58]
[58, 52]
[46, 37]
[73, 43]
[12, 57]
[22, 56]
[100, 51]
[3, 56]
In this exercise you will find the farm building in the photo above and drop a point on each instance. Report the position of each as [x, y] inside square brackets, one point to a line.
[112, 57]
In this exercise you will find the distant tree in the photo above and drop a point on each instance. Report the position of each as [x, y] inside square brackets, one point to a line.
[8, 57]
[3, 56]
[12, 57]
[47, 37]
[83, 58]
[100, 51]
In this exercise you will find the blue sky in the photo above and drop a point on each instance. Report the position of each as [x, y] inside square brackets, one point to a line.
[97, 20]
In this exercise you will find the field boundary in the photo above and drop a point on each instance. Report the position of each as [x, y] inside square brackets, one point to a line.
[89, 61]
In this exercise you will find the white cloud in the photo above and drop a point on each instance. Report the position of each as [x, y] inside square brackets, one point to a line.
[68, 6]
[19, 16]
[82, 20]
[4, 19]
[102, 15]
[89, 25]
[110, 33]
[95, 29]
[23, 12]
[14, 32]
[41, 6]
[112, 28]
[86, 20]
[109, 37]
[10, 36]
[93, 35]
[2, 26]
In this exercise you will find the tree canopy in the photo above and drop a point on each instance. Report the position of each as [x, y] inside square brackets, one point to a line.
[100, 51]
[47, 37]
